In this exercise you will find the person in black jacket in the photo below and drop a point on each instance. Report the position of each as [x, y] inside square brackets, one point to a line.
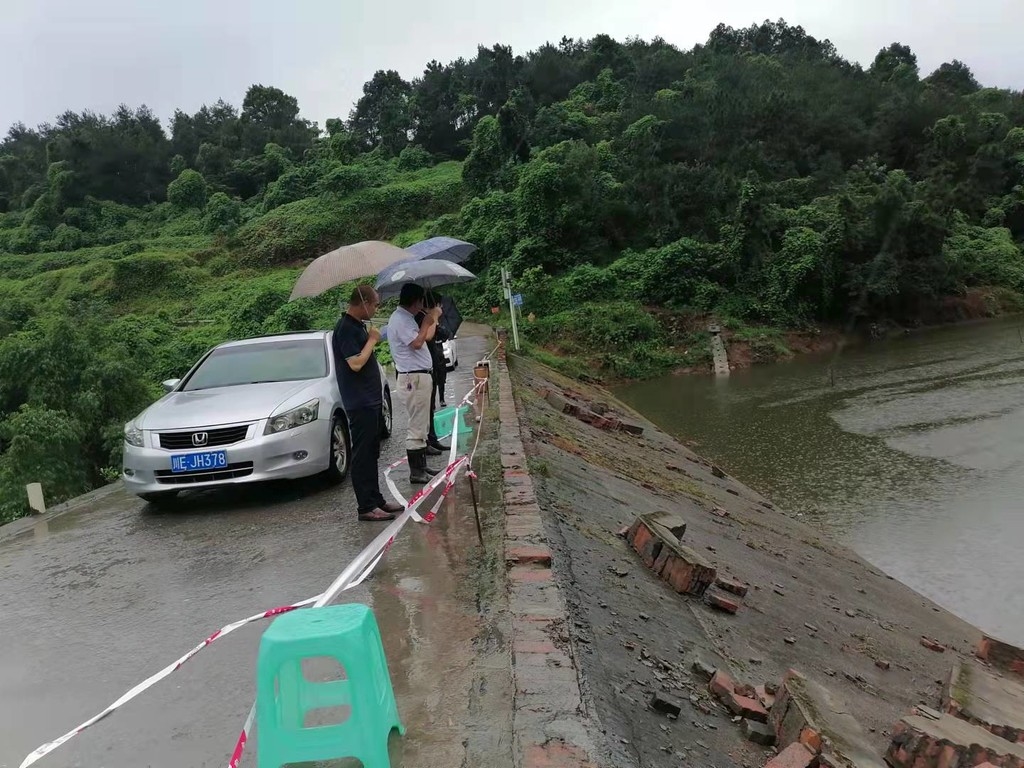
[440, 367]
[359, 381]
[434, 446]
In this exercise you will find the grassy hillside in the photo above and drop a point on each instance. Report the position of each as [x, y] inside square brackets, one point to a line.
[86, 335]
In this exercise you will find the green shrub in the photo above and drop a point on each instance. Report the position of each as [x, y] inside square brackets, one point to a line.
[188, 190]
[65, 238]
[223, 214]
[43, 446]
[414, 158]
[147, 274]
[620, 337]
[252, 307]
[310, 227]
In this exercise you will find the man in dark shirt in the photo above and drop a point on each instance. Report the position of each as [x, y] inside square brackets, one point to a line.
[361, 393]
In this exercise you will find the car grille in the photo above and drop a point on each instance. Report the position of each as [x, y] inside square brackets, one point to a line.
[230, 472]
[214, 437]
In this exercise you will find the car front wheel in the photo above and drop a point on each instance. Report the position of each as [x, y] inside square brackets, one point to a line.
[387, 417]
[339, 461]
[159, 499]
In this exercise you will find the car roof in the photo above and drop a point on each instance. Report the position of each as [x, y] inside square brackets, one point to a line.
[290, 336]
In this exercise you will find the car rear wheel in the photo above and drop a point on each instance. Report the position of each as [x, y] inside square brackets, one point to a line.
[338, 467]
[387, 417]
[160, 499]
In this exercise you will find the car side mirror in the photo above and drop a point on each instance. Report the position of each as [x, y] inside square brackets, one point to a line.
[170, 384]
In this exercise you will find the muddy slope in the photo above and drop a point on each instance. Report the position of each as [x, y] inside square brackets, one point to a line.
[812, 605]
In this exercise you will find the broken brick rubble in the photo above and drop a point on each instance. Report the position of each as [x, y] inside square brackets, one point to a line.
[735, 586]
[684, 570]
[921, 742]
[721, 602]
[806, 713]
[995, 703]
[724, 688]
[661, 702]
[759, 733]
[1001, 655]
[595, 414]
[793, 756]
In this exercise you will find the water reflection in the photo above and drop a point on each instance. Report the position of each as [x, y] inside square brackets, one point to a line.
[908, 450]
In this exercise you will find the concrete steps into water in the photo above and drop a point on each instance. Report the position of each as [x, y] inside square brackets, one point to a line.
[719, 356]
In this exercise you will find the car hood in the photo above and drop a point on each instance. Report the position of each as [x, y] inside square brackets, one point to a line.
[223, 405]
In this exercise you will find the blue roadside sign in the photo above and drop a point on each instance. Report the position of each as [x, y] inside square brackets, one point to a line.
[517, 299]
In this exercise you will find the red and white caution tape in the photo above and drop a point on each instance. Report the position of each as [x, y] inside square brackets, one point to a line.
[354, 574]
[344, 580]
[149, 682]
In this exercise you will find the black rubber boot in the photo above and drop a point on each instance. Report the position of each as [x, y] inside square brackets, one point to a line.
[417, 467]
[429, 470]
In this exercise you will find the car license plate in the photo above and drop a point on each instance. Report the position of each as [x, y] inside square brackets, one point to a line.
[198, 462]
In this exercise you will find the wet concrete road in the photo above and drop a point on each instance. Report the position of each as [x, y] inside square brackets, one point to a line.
[98, 599]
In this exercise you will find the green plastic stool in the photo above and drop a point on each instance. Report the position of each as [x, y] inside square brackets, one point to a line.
[444, 422]
[349, 635]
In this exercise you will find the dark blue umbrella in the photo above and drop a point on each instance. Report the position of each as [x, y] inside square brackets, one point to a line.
[446, 248]
[430, 273]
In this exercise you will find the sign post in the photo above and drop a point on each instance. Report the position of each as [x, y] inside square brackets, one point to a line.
[513, 302]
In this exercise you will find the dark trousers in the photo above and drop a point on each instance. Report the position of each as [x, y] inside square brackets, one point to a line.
[364, 430]
[440, 378]
[432, 434]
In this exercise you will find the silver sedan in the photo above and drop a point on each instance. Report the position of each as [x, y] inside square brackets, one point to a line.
[266, 408]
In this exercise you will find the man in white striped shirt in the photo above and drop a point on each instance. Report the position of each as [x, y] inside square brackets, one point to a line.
[411, 354]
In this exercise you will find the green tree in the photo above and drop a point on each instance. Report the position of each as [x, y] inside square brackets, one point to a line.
[483, 168]
[382, 117]
[188, 190]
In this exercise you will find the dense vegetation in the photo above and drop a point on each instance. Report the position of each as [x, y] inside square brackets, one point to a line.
[759, 177]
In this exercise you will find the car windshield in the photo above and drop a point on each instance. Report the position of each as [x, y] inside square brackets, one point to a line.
[260, 363]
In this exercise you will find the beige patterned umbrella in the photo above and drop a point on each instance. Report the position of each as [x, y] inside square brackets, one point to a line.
[345, 264]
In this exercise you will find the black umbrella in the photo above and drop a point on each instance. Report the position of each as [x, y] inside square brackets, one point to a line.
[451, 318]
[447, 248]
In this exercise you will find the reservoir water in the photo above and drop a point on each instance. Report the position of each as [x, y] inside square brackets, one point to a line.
[910, 451]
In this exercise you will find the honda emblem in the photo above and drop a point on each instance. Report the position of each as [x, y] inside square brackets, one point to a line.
[199, 439]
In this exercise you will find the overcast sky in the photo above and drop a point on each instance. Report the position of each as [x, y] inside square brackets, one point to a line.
[95, 54]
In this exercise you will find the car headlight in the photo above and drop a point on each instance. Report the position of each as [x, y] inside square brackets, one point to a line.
[133, 435]
[296, 417]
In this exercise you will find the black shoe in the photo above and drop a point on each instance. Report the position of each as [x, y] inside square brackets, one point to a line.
[392, 507]
[433, 450]
[444, 404]
[438, 446]
[376, 516]
[417, 467]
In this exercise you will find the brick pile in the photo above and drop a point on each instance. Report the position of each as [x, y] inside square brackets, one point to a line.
[919, 741]
[995, 703]
[1001, 655]
[981, 723]
[981, 720]
[814, 729]
[656, 539]
[593, 414]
